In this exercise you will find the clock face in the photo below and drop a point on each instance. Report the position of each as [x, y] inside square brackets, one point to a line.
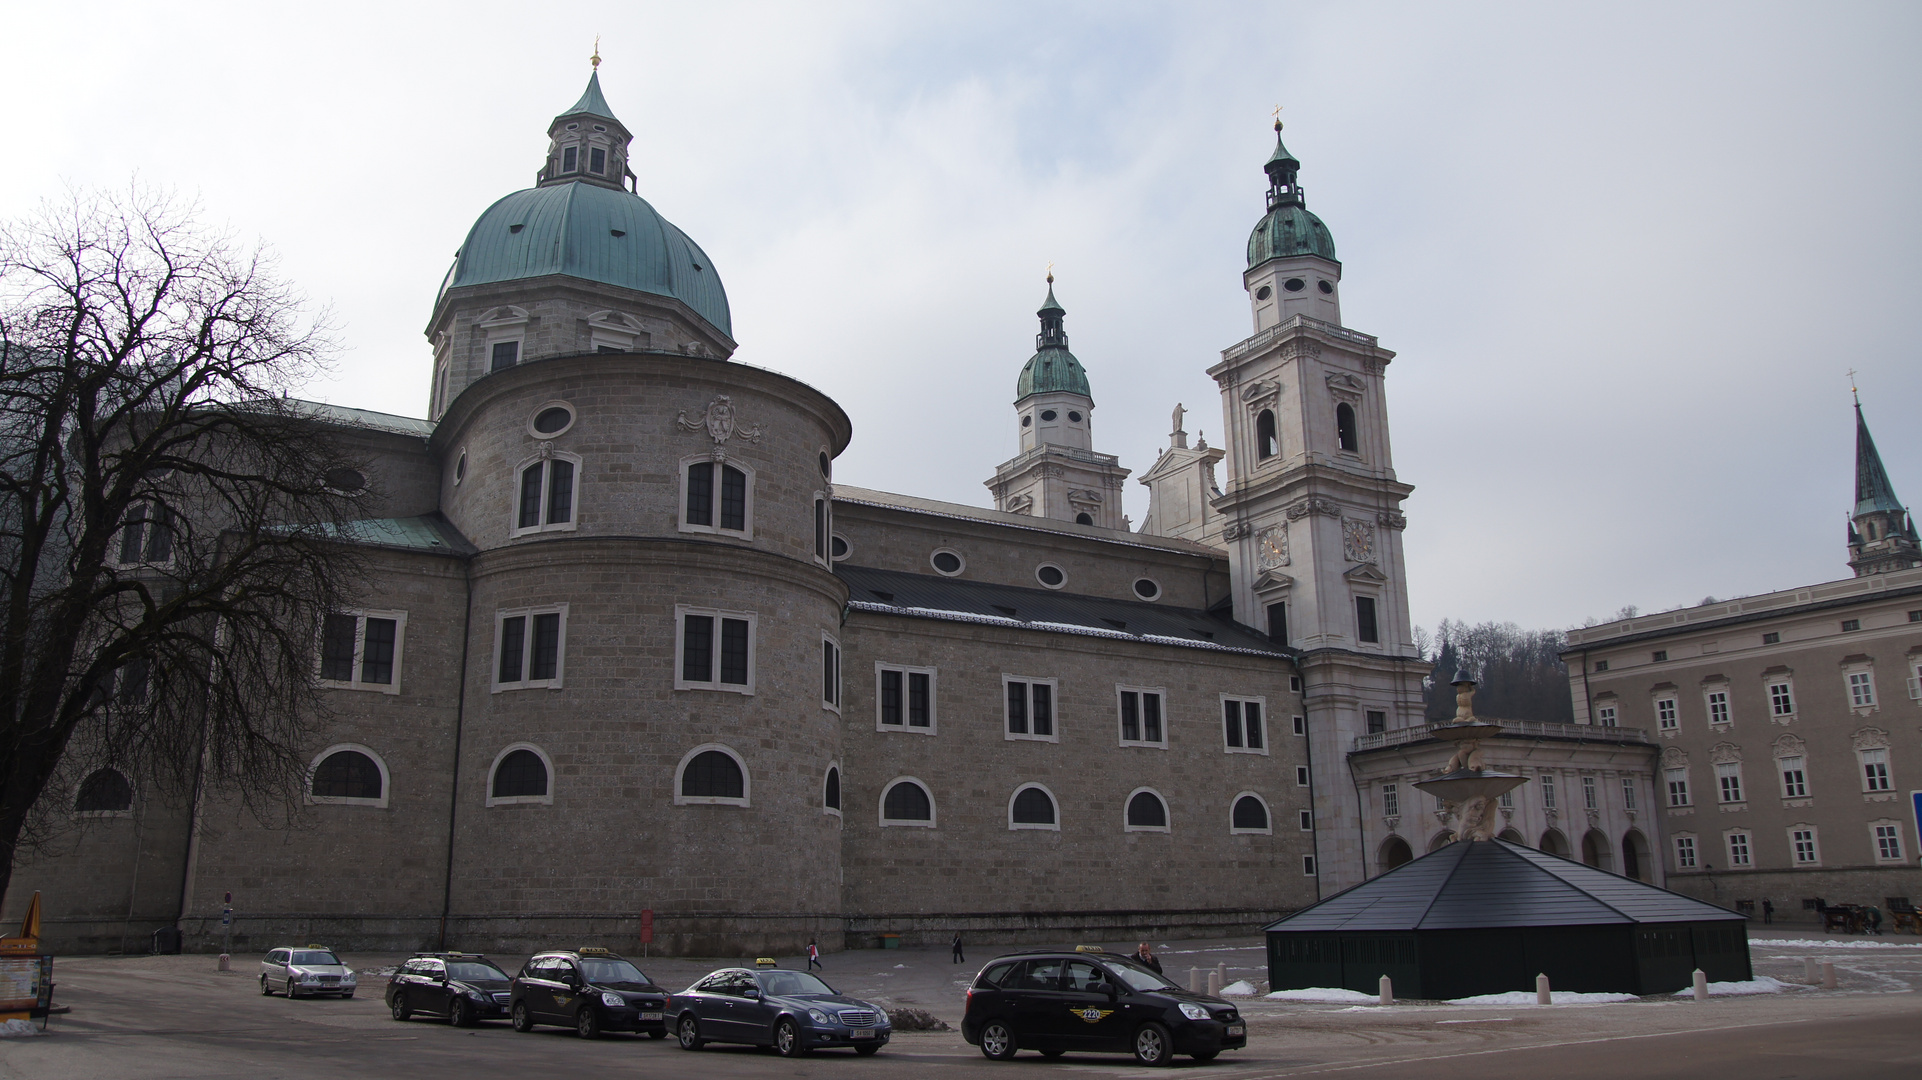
[1272, 547]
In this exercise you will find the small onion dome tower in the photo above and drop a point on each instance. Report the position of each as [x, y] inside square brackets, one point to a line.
[1292, 269]
[1882, 535]
[1056, 473]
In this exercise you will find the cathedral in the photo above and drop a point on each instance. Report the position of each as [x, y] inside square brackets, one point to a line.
[628, 644]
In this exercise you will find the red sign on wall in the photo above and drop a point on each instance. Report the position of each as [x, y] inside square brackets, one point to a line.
[647, 927]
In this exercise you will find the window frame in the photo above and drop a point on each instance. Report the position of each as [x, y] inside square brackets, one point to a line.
[1856, 704]
[1374, 618]
[1814, 842]
[1014, 825]
[1673, 720]
[133, 794]
[1167, 813]
[1591, 792]
[681, 612]
[545, 463]
[835, 684]
[1729, 781]
[746, 532]
[1741, 859]
[957, 571]
[1391, 791]
[505, 324]
[823, 538]
[573, 417]
[386, 781]
[1801, 771]
[747, 779]
[1900, 858]
[1669, 788]
[934, 808]
[521, 800]
[1054, 709]
[1607, 715]
[361, 615]
[1686, 852]
[1629, 797]
[1121, 732]
[1709, 694]
[907, 672]
[1261, 700]
[839, 776]
[501, 615]
[1779, 690]
[1877, 777]
[145, 524]
[1267, 811]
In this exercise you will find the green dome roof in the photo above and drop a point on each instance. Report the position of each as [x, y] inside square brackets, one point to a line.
[1052, 370]
[1289, 229]
[593, 233]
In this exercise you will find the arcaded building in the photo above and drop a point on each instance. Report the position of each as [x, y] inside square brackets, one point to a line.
[630, 644]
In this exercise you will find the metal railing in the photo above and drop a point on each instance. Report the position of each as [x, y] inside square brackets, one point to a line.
[1511, 729]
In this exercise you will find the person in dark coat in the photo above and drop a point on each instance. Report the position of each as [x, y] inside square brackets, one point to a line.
[956, 946]
[1768, 912]
[1146, 957]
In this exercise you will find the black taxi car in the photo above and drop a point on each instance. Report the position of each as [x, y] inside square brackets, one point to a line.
[465, 988]
[791, 1011]
[1089, 1002]
[589, 990]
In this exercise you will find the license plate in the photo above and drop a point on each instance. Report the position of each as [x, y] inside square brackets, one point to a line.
[1237, 1029]
[860, 1034]
[650, 1016]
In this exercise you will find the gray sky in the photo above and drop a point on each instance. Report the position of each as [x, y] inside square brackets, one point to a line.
[1625, 252]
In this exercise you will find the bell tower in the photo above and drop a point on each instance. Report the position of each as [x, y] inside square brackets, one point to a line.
[1881, 533]
[1312, 508]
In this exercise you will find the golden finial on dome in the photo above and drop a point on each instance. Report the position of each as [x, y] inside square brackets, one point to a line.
[596, 58]
[1050, 273]
[1277, 115]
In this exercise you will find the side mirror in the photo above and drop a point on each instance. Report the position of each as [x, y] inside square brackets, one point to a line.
[751, 993]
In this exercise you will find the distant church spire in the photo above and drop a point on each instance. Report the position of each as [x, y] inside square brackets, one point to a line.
[1882, 535]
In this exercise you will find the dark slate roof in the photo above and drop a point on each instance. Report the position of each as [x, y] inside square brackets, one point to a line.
[430, 533]
[1493, 883]
[892, 592]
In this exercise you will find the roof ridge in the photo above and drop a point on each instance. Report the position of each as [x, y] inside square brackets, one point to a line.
[1590, 893]
[1443, 887]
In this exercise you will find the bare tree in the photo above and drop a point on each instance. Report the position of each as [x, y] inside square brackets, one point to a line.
[165, 511]
[1521, 672]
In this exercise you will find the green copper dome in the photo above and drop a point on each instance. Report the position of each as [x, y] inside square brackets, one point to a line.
[593, 233]
[1288, 229]
[1053, 369]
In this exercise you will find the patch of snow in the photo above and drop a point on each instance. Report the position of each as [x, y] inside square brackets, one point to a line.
[1555, 997]
[1239, 988]
[1812, 943]
[13, 1029]
[1322, 993]
[1761, 984]
[900, 965]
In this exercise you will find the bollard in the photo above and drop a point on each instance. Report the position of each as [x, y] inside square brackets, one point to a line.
[1701, 985]
[1828, 974]
[1194, 980]
[1809, 974]
[1387, 990]
[1221, 972]
[1214, 984]
[1541, 990]
[225, 963]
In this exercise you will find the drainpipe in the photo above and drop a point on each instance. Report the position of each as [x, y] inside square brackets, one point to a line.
[453, 787]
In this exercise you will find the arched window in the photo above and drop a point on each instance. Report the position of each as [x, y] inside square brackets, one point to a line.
[547, 494]
[1032, 807]
[521, 775]
[1596, 850]
[907, 802]
[1554, 843]
[1511, 836]
[1394, 852]
[831, 791]
[1084, 519]
[1267, 442]
[718, 498]
[104, 791]
[1147, 812]
[1250, 814]
[712, 774]
[348, 774]
[1345, 428]
[1635, 856]
[1440, 840]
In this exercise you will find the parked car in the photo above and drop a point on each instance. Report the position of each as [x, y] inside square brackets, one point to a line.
[306, 972]
[466, 988]
[1058, 1002]
[589, 990]
[792, 1011]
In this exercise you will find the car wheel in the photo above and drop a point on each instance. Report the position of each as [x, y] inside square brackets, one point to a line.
[1208, 1055]
[523, 1020]
[868, 1049]
[399, 1007]
[690, 1034]
[997, 1041]
[587, 1023]
[788, 1041]
[462, 1013]
[266, 988]
[1153, 1045]
[293, 991]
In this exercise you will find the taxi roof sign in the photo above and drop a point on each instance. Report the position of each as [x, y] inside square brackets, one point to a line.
[593, 951]
[764, 962]
[1089, 948]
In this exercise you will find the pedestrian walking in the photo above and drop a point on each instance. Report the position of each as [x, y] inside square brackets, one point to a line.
[814, 955]
[1873, 916]
[1146, 957]
[1768, 912]
[956, 946]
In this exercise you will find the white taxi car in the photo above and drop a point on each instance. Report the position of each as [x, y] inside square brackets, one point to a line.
[306, 971]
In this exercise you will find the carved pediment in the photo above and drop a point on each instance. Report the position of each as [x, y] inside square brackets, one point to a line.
[1725, 753]
[1674, 757]
[1870, 738]
[1273, 581]
[1346, 386]
[1260, 394]
[1367, 572]
[1789, 746]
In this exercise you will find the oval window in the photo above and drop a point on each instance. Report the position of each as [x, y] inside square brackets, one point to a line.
[553, 419]
[947, 562]
[1146, 589]
[1294, 284]
[1326, 287]
[838, 548]
[345, 479]
[460, 468]
[826, 465]
[1027, 421]
[1074, 418]
[1050, 575]
[1049, 415]
[1264, 293]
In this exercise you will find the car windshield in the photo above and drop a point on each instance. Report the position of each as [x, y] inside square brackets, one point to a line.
[474, 971]
[612, 972]
[314, 957]
[791, 984]
[1140, 978]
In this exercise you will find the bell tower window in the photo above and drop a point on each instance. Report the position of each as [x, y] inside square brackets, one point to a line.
[597, 161]
[1345, 428]
[570, 158]
[1267, 443]
[506, 355]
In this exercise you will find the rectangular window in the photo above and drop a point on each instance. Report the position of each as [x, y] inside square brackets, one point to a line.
[1307, 820]
[1548, 790]
[700, 493]
[1141, 716]
[1301, 776]
[1628, 793]
[1802, 842]
[529, 648]
[1605, 715]
[1781, 702]
[360, 650]
[1308, 865]
[715, 498]
[1506, 800]
[1795, 782]
[1294, 684]
[1591, 794]
[148, 536]
[1601, 665]
[905, 698]
[1728, 781]
[1888, 843]
[1030, 708]
[1875, 770]
[1377, 721]
[1685, 853]
[733, 499]
[1771, 638]
[1851, 625]
[1391, 800]
[1861, 690]
[570, 157]
[1718, 707]
[505, 355]
[716, 649]
[821, 529]
[1658, 655]
[830, 674]
[1301, 726]
[1278, 623]
[1738, 849]
[1665, 714]
[1243, 729]
[546, 496]
[597, 160]
[1677, 780]
[1365, 629]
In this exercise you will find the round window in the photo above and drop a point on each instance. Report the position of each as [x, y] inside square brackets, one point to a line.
[1264, 293]
[1146, 589]
[1050, 575]
[553, 419]
[1027, 421]
[827, 467]
[838, 547]
[1327, 287]
[345, 479]
[947, 562]
[1294, 284]
[1074, 418]
[1048, 415]
[460, 467]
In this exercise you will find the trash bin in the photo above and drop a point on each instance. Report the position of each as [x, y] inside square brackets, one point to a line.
[890, 941]
[166, 941]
